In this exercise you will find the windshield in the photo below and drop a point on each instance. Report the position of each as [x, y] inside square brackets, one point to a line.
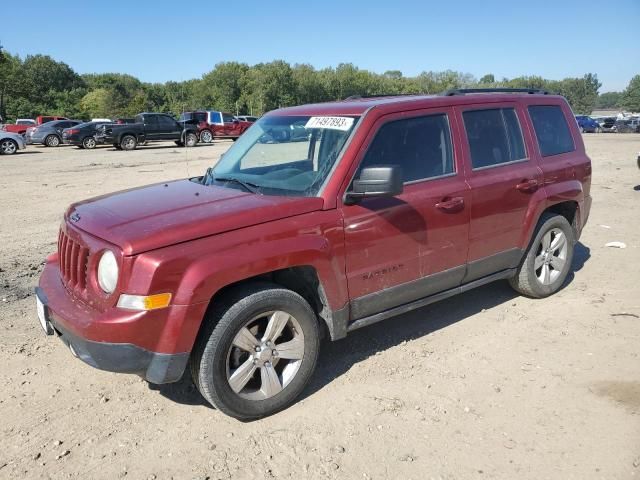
[283, 155]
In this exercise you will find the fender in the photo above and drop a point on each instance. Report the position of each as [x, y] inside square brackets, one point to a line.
[546, 197]
[205, 266]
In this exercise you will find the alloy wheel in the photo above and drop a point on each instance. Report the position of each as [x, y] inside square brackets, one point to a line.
[8, 147]
[205, 136]
[550, 259]
[265, 355]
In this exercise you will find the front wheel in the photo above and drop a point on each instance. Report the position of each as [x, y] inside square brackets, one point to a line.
[548, 259]
[8, 146]
[258, 351]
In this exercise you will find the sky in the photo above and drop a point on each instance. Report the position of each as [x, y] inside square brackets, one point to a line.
[164, 40]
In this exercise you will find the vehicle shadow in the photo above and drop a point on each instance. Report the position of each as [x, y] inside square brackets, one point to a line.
[161, 147]
[337, 358]
[27, 152]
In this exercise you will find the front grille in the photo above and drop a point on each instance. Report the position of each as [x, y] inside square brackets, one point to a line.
[73, 258]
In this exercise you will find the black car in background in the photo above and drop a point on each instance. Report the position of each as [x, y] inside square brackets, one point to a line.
[83, 135]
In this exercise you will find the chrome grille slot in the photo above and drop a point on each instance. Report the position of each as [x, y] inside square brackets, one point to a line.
[73, 258]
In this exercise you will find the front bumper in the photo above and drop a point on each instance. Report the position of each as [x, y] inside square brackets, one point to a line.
[143, 343]
[119, 357]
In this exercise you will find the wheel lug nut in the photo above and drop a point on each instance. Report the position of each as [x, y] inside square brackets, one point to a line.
[257, 349]
[274, 353]
[267, 364]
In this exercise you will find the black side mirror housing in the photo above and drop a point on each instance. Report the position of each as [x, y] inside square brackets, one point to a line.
[376, 181]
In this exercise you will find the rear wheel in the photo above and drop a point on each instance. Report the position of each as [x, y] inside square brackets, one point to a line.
[206, 136]
[8, 146]
[258, 351]
[191, 139]
[548, 258]
[128, 142]
[52, 141]
[89, 142]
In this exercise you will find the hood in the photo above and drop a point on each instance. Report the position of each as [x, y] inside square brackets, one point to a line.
[164, 214]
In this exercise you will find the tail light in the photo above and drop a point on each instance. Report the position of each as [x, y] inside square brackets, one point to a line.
[73, 131]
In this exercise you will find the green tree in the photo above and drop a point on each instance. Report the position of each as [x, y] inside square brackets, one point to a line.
[96, 104]
[631, 96]
[609, 100]
[10, 85]
[488, 78]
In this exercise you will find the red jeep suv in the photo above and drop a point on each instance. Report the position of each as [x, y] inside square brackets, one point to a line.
[384, 205]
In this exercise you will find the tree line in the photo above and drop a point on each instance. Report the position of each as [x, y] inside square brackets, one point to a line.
[38, 84]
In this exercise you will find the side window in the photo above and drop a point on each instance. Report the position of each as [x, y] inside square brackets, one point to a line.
[421, 146]
[227, 118]
[552, 130]
[216, 117]
[166, 123]
[494, 136]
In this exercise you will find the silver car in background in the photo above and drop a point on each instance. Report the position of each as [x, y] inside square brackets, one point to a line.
[10, 143]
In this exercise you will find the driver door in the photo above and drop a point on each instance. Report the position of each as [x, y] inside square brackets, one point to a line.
[413, 245]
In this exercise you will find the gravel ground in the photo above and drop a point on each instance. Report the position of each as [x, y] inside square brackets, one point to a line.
[484, 385]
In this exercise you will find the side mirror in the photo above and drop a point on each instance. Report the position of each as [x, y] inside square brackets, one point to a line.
[378, 181]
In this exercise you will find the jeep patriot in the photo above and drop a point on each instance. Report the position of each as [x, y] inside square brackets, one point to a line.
[351, 213]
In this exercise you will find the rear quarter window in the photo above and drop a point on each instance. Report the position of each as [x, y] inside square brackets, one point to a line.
[552, 130]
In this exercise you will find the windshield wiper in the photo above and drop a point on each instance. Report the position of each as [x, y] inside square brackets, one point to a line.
[250, 187]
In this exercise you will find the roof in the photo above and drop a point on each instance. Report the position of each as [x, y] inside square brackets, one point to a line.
[359, 105]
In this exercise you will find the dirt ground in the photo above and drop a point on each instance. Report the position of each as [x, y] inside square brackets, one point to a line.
[484, 385]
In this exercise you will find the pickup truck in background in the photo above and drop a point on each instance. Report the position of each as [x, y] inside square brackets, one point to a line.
[148, 127]
[20, 127]
[214, 124]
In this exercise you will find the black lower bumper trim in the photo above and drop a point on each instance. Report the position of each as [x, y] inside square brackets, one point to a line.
[126, 358]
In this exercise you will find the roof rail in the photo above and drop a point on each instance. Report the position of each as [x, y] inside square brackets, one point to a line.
[463, 91]
[382, 95]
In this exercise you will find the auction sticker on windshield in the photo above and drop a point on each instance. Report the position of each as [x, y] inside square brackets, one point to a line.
[333, 123]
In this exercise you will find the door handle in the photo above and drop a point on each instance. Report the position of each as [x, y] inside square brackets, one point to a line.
[527, 186]
[451, 205]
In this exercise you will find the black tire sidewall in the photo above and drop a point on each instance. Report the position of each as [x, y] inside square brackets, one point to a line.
[122, 143]
[561, 223]
[212, 375]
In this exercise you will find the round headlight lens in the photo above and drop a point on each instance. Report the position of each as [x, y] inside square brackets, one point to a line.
[108, 272]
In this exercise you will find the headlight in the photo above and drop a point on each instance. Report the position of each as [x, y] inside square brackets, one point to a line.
[108, 272]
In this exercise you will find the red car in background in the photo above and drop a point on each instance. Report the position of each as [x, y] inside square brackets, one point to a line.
[214, 124]
[20, 127]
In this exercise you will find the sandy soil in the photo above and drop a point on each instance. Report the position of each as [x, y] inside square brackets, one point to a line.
[485, 385]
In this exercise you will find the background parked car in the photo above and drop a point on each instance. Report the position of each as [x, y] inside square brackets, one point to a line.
[628, 125]
[587, 124]
[246, 118]
[149, 127]
[20, 127]
[214, 124]
[50, 133]
[10, 143]
[123, 121]
[84, 134]
[607, 124]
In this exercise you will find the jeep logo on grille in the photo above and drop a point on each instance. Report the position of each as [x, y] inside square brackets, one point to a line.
[75, 217]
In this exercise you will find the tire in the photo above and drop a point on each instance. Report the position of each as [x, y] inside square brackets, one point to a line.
[128, 143]
[8, 146]
[552, 265]
[581, 130]
[179, 143]
[117, 146]
[89, 143]
[52, 141]
[191, 139]
[206, 136]
[216, 361]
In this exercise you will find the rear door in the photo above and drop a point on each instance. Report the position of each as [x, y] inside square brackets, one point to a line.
[504, 176]
[152, 127]
[168, 128]
[231, 125]
[413, 245]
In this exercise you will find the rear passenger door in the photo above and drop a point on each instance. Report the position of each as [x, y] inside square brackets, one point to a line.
[413, 245]
[152, 128]
[169, 129]
[503, 176]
